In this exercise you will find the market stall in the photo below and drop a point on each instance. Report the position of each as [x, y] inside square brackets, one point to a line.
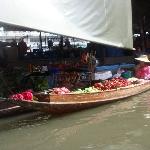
[74, 80]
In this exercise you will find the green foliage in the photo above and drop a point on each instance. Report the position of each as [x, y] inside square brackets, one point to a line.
[16, 79]
[10, 79]
[40, 83]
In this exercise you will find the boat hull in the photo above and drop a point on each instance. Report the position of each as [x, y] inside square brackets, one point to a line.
[9, 109]
[58, 104]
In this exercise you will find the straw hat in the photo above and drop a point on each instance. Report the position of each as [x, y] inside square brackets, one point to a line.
[143, 58]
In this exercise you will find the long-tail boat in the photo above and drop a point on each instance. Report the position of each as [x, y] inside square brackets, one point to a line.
[90, 20]
[58, 104]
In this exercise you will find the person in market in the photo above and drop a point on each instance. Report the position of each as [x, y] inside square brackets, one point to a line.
[67, 43]
[22, 48]
[14, 43]
[138, 51]
[88, 58]
[61, 43]
[93, 62]
[142, 70]
[84, 57]
[50, 44]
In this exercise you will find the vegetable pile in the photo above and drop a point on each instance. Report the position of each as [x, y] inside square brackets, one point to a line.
[86, 90]
[101, 86]
[97, 87]
[111, 84]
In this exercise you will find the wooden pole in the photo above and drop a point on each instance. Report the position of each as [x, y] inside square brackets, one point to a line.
[40, 36]
[143, 33]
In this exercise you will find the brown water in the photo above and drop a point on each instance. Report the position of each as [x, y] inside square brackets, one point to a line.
[123, 125]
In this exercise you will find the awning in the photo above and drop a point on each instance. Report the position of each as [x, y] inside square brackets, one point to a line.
[102, 21]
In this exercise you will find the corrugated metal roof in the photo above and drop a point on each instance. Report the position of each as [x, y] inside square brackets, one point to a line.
[11, 27]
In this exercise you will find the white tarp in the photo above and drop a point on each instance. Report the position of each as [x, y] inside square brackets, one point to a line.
[102, 21]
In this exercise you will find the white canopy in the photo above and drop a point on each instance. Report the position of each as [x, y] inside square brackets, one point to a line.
[102, 21]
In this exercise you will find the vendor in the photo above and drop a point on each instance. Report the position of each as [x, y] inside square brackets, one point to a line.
[142, 70]
[22, 48]
[92, 61]
[84, 57]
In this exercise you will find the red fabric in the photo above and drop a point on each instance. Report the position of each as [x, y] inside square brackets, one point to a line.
[143, 72]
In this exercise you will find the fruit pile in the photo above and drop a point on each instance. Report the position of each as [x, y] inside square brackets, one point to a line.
[111, 84]
[86, 90]
[26, 95]
[62, 90]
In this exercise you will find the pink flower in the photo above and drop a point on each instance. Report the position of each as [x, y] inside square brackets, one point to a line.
[64, 89]
[17, 97]
[27, 96]
[143, 73]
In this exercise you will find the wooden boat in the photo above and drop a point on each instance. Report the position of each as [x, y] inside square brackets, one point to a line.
[74, 102]
[58, 104]
[8, 109]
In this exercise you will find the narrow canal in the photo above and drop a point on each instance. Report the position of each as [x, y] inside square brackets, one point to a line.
[123, 125]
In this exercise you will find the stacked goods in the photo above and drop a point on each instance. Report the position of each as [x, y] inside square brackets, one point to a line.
[26, 95]
[67, 78]
[111, 84]
[62, 90]
[101, 86]
[86, 90]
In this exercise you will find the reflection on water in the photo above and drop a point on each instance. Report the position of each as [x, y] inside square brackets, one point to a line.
[123, 125]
